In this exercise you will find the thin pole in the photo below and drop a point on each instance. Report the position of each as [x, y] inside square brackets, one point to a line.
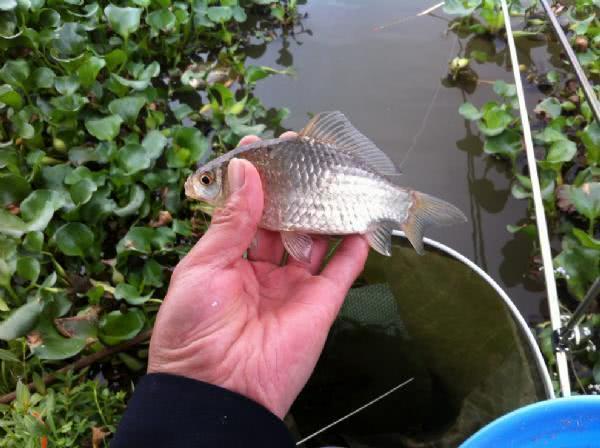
[580, 311]
[588, 91]
[364, 406]
[540, 217]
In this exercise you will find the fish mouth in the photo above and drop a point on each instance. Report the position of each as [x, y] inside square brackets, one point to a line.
[189, 188]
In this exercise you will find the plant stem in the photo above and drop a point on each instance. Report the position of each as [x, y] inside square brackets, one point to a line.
[98, 405]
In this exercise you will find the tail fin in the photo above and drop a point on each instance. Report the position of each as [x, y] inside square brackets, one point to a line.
[426, 211]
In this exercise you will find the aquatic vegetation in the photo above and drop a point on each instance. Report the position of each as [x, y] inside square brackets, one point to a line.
[105, 109]
[567, 140]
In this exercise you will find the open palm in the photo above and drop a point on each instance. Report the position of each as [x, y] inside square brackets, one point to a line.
[250, 324]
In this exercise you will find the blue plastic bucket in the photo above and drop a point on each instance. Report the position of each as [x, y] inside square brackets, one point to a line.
[561, 423]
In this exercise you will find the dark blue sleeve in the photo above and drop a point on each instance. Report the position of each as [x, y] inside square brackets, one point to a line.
[174, 411]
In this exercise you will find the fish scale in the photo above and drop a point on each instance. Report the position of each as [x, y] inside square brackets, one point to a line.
[330, 180]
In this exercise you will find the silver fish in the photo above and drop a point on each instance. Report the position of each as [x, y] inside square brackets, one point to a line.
[329, 180]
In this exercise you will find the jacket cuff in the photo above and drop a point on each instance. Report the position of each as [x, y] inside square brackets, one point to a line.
[174, 411]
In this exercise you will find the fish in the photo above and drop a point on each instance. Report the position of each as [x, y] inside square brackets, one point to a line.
[328, 180]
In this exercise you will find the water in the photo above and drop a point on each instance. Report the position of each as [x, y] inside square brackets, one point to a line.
[385, 81]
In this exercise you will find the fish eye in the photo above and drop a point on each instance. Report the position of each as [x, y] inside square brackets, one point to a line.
[206, 179]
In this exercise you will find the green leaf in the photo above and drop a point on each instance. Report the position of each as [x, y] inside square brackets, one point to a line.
[494, 121]
[161, 19]
[13, 189]
[132, 158]
[507, 144]
[128, 108]
[469, 112]
[590, 137]
[124, 21]
[39, 207]
[503, 89]
[88, 71]
[117, 327]
[10, 97]
[136, 199]
[49, 344]
[580, 267]
[66, 85]
[106, 128]
[461, 8]
[561, 151]
[82, 191]
[585, 239]
[153, 273]
[71, 39]
[550, 107]
[219, 13]
[11, 225]
[20, 321]
[586, 199]
[181, 110]
[69, 103]
[550, 135]
[8, 356]
[43, 78]
[256, 73]
[15, 73]
[154, 142]
[34, 241]
[138, 239]
[28, 268]
[74, 239]
[192, 140]
[130, 294]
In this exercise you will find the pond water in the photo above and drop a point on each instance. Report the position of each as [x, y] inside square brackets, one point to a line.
[384, 68]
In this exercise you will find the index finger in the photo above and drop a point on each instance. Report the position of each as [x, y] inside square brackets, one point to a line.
[347, 262]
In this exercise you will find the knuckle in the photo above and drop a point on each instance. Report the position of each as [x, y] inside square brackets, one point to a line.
[234, 212]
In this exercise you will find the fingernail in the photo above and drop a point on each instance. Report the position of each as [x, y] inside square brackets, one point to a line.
[236, 174]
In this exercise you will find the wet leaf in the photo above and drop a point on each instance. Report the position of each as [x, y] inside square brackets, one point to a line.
[590, 137]
[585, 239]
[66, 85]
[106, 128]
[11, 225]
[132, 158]
[192, 140]
[586, 199]
[153, 273]
[136, 199]
[507, 144]
[549, 107]
[138, 239]
[13, 189]
[71, 39]
[74, 239]
[39, 207]
[34, 241]
[88, 71]
[154, 142]
[494, 121]
[10, 97]
[43, 78]
[28, 268]
[130, 294]
[504, 89]
[470, 112]
[580, 267]
[561, 151]
[117, 327]
[124, 21]
[47, 343]
[461, 8]
[219, 13]
[15, 73]
[20, 321]
[82, 191]
[161, 19]
[128, 108]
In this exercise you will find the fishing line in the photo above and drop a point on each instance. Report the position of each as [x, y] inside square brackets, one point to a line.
[357, 410]
[427, 112]
[408, 18]
[540, 216]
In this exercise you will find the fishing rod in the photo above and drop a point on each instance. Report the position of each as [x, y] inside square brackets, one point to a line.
[538, 205]
[588, 90]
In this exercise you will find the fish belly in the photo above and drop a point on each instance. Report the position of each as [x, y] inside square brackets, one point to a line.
[319, 189]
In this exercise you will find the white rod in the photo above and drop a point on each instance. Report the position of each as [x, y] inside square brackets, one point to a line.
[428, 10]
[364, 406]
[553, 305]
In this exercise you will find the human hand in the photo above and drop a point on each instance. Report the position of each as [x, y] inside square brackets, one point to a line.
[251, 325]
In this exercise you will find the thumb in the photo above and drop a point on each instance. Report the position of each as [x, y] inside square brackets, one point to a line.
[233, 226]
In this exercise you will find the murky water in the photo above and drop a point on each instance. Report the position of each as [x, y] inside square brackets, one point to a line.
[389, 83]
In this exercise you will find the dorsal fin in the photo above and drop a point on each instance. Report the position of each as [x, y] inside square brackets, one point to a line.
[335, 128]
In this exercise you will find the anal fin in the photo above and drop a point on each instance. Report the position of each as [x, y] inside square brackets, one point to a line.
[380, 237]
[298, 245]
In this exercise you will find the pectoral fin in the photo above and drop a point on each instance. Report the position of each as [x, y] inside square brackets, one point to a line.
[380, 238]
[298, 245]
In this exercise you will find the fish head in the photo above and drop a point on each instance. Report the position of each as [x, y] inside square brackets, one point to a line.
[207, 185]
